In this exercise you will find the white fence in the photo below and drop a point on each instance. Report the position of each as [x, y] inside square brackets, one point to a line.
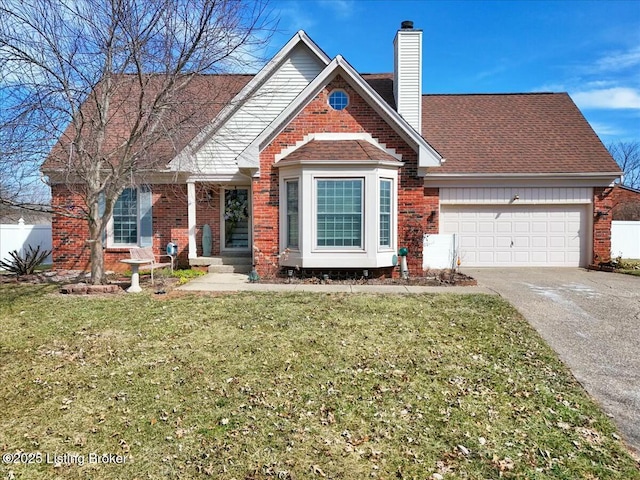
[19, 237]
[625, 239]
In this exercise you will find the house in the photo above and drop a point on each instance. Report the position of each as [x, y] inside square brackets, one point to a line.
[625, 203]
[315, 166]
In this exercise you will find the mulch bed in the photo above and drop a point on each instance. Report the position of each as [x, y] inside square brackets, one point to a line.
[438, 279]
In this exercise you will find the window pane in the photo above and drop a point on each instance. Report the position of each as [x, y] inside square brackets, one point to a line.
[125, 218]
[385, 213]
[292, 214]
[338, 100]
[339, 215]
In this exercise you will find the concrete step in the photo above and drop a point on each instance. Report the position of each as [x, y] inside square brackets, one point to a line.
[229, 268]
[221, 260]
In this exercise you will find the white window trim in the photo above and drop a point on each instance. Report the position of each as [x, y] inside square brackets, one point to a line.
[110, 226]
[393, 216]
[363, 201]
[284, 214]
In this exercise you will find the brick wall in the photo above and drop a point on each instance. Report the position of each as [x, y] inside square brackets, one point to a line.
[69, 235]
[170, 224]
[415, 203]
[602, 202]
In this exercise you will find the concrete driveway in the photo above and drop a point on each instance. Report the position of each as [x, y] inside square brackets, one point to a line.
[592, 320]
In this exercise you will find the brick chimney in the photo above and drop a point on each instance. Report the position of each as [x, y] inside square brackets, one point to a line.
[407, 74]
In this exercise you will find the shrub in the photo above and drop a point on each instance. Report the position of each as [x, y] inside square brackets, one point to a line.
[25, 265]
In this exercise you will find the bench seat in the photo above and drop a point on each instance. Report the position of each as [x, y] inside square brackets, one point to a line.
[146, 253]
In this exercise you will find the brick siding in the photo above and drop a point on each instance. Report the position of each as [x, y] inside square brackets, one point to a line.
[602, 202]
[170, 224]
[415, 203]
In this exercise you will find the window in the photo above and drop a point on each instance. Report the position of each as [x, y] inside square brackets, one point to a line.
[338, 99]
[125, 218]
[293, 234]
[131, 221]
[385, 213]
[339, 213]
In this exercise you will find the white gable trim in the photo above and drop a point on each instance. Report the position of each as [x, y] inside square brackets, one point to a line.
[427, 155]
[185, 157]
[338, 136]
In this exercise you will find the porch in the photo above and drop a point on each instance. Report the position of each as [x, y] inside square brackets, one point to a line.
[219, 227]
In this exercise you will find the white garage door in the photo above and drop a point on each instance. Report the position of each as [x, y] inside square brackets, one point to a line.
[523, 235]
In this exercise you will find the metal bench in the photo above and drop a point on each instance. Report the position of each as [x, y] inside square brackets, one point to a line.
[146, 254]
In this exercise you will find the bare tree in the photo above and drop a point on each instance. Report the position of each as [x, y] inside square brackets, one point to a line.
[98, 87]
[627, 154]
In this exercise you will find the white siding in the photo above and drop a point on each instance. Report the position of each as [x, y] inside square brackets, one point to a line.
[218, 155]
[408, 76]
[506, 195]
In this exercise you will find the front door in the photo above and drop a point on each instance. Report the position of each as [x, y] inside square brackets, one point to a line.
[235, 219]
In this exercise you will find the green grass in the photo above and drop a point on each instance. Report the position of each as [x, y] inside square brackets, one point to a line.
[629, 267]
[292, 386]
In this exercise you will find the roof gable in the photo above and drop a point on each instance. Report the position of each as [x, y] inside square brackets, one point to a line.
[277, 83]
[427, 155]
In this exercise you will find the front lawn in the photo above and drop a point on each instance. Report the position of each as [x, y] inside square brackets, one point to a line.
[290, 386]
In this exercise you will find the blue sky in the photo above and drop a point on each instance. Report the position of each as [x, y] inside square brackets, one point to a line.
[590, 49]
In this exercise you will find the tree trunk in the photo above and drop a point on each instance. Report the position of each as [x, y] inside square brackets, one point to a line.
[97, 262]
[96, 228]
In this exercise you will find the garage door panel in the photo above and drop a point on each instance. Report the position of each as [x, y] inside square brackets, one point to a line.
[557, 227]
[504, 227]
[522, 257]
[503, 257]
[518, 235]
[485, 257]
[486, 242]
[485, 227]
[539, 227]
[557, 242]
[503, 242]
[538, 241]
[539, 258]
[469, 242]
[468, 227]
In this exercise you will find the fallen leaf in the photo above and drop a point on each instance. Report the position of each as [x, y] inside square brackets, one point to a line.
[317, 470]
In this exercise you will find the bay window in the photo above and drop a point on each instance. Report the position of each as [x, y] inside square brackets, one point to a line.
[337, 215]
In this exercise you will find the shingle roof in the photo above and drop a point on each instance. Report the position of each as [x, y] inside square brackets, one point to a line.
[338, 150]
[512, 133]
[383, 84]
[193, 108]
[486, 134]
